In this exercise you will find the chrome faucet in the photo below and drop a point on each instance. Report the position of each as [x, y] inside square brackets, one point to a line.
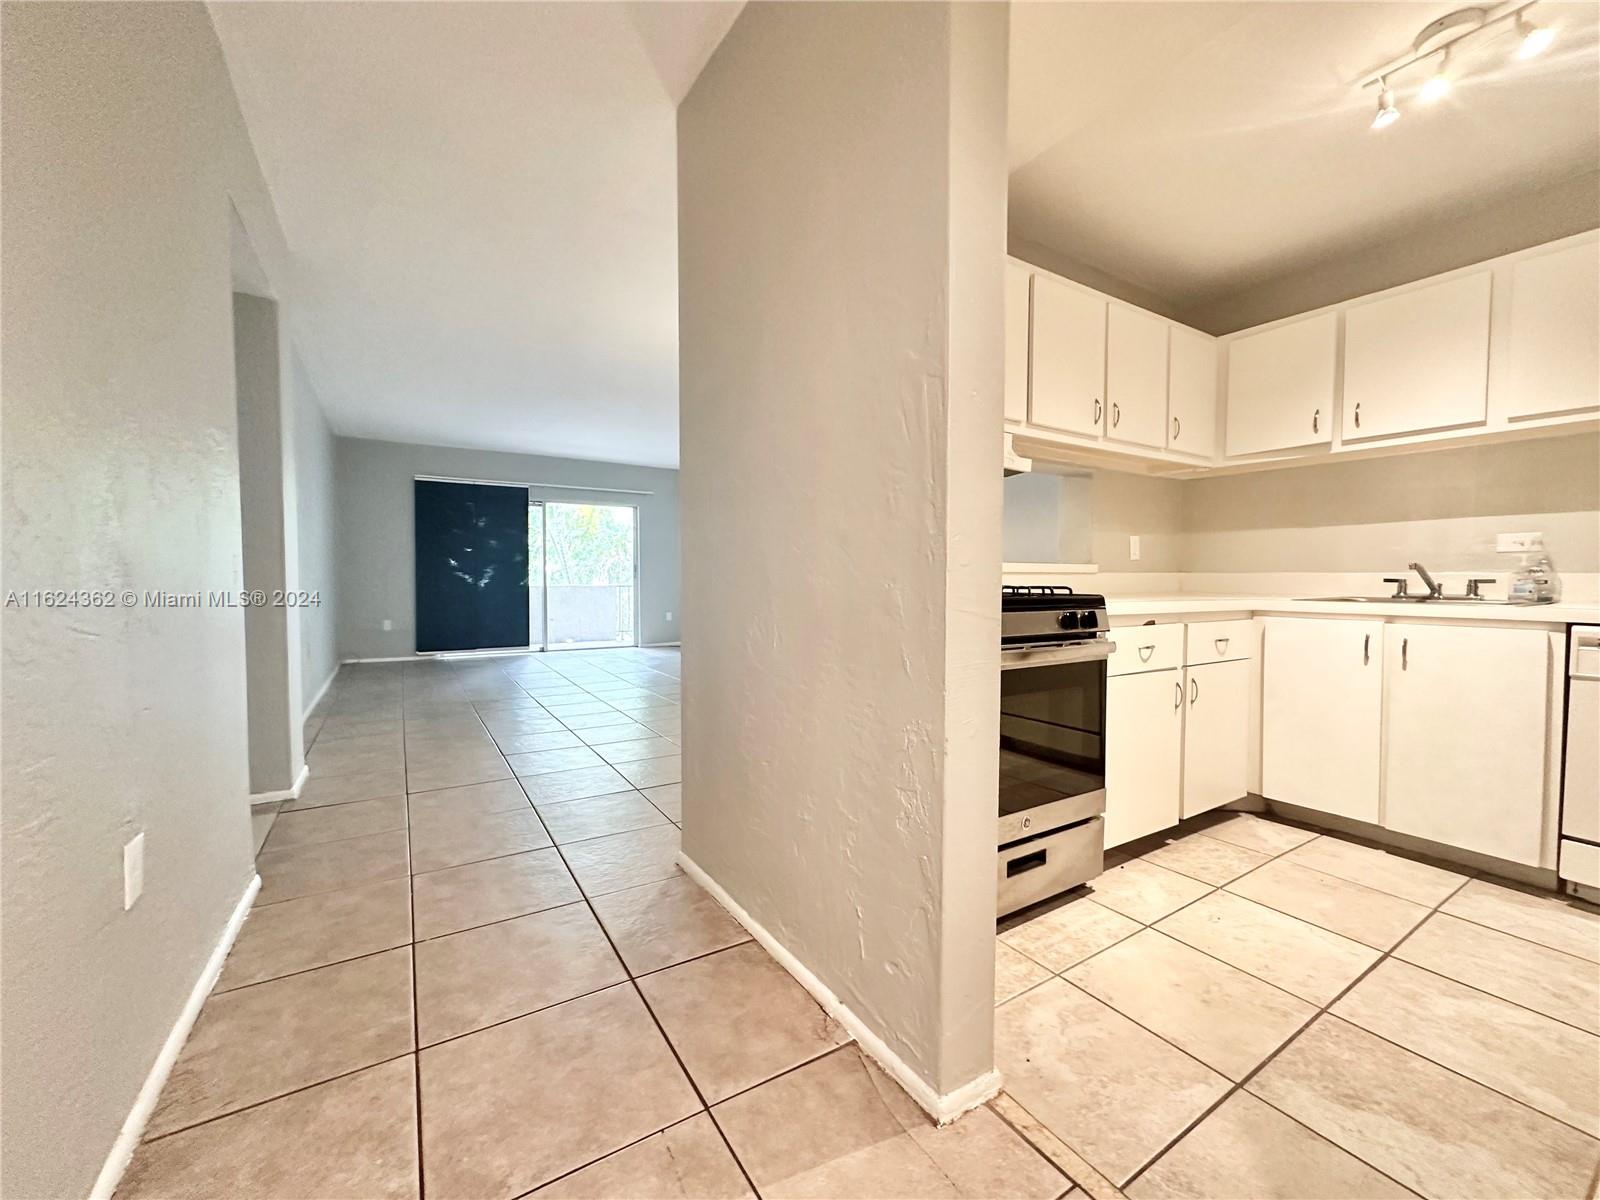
[1435, 590]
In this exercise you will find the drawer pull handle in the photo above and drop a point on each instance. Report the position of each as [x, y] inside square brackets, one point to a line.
[1027, 862]
[1222, 644]
[1146, 651]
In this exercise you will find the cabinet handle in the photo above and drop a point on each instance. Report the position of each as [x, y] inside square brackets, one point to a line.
[1221, 644]
[1316, 421]
[1116, 414]
[1366, 650]
[1194, 690]
[1405, 655]
[1177, 696]
[1097, 410]
[1358, 414]
[1146, 651]
[1177, 428]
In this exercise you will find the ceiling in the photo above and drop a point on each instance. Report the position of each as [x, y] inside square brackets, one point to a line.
[480, 202]
[1194, 150]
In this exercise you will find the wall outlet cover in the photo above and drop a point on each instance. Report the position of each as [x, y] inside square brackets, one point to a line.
[132, 871]
[1516, 543]
[387, 624]
[1133, 547]
[669, 616]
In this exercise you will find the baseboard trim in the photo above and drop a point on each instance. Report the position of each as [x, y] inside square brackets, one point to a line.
[657, 645]
[144, 1104]
[321, 691]
[292, 793]
[943, 1108]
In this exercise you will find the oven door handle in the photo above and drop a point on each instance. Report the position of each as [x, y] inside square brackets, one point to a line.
[1098, 649]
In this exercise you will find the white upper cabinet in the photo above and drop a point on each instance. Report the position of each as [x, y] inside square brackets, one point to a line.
[1418, 360]
[1555, 332]
[1192, 393]
[1321, 714]
[1464, 760]
[1280, 386]
[1136, 377]
[1067, 391]
[1016, 392]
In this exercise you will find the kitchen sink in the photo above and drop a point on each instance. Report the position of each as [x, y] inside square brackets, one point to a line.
[1398, 600]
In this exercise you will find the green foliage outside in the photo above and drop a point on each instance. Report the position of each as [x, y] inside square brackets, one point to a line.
[589, 545]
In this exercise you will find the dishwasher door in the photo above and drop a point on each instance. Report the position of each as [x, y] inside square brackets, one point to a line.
[1580, 792]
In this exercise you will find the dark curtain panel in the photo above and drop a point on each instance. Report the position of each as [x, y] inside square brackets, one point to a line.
[472, 566]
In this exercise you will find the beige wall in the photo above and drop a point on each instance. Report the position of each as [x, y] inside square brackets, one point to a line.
[318, 556]
[842, 192]
[122, 148]
[1442, 508]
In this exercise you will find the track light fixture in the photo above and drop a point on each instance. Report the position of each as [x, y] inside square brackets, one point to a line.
[1427, 45]
[1536, 39]
[1438, 85]
[1387, 113]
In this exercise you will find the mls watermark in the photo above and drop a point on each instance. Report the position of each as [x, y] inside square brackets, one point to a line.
[130, 598]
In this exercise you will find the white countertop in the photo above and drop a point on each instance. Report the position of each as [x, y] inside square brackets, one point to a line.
[1122, 608]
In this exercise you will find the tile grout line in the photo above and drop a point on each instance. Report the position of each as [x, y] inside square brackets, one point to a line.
[411, 899]
[1325, 1010]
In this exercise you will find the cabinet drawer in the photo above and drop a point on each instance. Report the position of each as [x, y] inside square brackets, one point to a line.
[1220, 641]
[1146, 648]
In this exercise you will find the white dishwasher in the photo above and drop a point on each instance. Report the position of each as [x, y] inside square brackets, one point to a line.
[1580, 792]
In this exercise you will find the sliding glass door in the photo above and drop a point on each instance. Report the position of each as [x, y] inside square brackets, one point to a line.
[587, 560]
[497, 570]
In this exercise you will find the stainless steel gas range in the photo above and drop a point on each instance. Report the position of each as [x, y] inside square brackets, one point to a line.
[1053, 650]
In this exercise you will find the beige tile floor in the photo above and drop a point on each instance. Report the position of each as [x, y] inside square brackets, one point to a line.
[475, 970]
[1245, 1008]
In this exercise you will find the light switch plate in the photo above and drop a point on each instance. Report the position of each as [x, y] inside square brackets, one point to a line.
[132, 871]
[1133, 547]
[1516, 543]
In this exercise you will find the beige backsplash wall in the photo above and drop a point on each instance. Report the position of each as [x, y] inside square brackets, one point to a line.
[1442, 508]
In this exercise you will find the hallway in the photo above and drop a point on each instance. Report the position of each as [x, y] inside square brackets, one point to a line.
[473, 913]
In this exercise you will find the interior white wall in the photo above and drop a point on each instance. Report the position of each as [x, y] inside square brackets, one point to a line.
[313, 451]
[376, 534]
[122, 148]
[266, 484]
[841, 238]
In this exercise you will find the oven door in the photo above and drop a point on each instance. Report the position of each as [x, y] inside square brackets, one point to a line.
[1052, 737]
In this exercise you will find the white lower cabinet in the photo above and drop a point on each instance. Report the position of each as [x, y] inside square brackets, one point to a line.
[1144, 744]
[1216, 735]
[1322, 714]
[1466, 730]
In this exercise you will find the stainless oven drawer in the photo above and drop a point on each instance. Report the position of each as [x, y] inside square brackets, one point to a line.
[1043, 867]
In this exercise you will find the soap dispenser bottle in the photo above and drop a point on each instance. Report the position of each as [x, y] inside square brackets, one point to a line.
[1535, 580]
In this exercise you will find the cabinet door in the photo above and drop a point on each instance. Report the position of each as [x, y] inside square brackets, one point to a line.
[1321, 709]
[1016, 391]
[1464, 760]
[1136, 376]
[1418, 360]
[1280, 386]
[1192, 393]
[1555, 333]
[1069, 358]
[1144, 742]
[1216, 735]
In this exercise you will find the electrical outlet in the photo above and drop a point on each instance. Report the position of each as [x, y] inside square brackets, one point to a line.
[387, 625]
[1133, 547]
[132, 871]
[1515, 543]
[669, 616]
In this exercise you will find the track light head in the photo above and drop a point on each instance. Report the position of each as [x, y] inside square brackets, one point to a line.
[1387, 113]
[1438, 85]
[1536, 39]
